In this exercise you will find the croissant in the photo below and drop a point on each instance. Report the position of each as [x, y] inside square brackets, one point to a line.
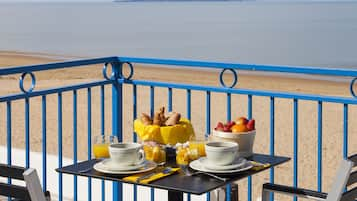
[173, 119]
[146, 119]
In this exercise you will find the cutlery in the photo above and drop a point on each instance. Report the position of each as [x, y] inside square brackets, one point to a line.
[255, 163]
[146, 176]
[189, 172]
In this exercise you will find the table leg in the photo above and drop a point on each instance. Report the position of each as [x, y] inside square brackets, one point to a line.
[175, 196]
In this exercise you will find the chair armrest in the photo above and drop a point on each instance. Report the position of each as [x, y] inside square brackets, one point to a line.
[301, 192]
[353, 158]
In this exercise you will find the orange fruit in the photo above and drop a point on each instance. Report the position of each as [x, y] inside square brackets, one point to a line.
[239, 128]
[242, 120]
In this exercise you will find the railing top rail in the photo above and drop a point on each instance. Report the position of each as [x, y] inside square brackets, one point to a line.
[249, 67]
[188, 63]
[56, 65]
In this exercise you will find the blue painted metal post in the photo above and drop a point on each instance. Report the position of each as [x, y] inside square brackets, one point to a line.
[169, 99]
[8, 143]
[345, 131]
[59, 125]
[75, 181]
[229, 116]
[89, 138]
[102, 126]
[135, 109]
[250, 115]
[319, 147]
[208, 124]
[117, 119]
[152, 111]
[27, 131]
[188, 103]
[44, 142]
[135, 138]
[272, 139]
[296, 126]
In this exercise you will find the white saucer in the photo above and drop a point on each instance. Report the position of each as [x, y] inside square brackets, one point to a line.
[198, 165]
[237, 163]
[108, 166]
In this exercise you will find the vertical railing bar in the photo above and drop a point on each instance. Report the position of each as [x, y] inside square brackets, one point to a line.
[229, 107]
[319, 147]
[135, 138]
[75, 159]
[102, 109]
[89, 137]
[44, 143]
[27, 131]
[117, 119]
[208, 124]
[188, 102]
[135, 109]
[345, 131]
[296, 127]
[250, 114]
[272, 139]
[102, 126]
[152, 109]
[59, 125]
[152, 101]
[229, 117]
[8, 137]
[250, 106]
[169, 99]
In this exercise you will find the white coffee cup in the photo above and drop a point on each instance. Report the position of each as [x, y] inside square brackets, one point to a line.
[126, 153]
[221, 153]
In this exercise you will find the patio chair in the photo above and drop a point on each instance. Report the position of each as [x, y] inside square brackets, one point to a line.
[343, 179]
[31, 192]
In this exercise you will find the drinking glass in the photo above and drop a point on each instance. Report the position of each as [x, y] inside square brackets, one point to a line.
[155, 153]
[199, 145]
[101, 145]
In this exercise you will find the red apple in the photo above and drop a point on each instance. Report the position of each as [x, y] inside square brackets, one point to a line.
[227, 129]
[251, 125]
[219, 126]
[230, 124]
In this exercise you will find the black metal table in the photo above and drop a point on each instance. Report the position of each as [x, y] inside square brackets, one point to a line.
[176, 184]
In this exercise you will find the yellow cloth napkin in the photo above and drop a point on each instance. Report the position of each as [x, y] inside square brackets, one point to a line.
[159, 175]
[258, 166]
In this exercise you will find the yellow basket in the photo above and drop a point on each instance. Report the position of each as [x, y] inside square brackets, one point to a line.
[179, 133]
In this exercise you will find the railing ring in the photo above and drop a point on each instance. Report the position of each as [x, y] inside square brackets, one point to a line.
[131, 70]
[33, 82]
[104, 71]
[351, 88]
[235, 77]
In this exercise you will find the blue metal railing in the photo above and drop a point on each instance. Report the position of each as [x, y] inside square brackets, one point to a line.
[117, 80]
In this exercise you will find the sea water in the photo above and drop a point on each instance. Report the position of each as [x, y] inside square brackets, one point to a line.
[284, 33]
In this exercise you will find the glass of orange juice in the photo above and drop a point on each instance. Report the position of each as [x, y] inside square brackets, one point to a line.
[199, 145]
[155, 153]
[101, 145]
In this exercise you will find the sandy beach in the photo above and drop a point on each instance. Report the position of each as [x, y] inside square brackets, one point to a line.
[307, 114]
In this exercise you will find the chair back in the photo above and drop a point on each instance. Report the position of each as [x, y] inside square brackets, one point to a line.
[340, 181]
[351, 193]
[31, 192]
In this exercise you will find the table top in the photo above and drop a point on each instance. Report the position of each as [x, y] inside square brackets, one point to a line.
[197, 184]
